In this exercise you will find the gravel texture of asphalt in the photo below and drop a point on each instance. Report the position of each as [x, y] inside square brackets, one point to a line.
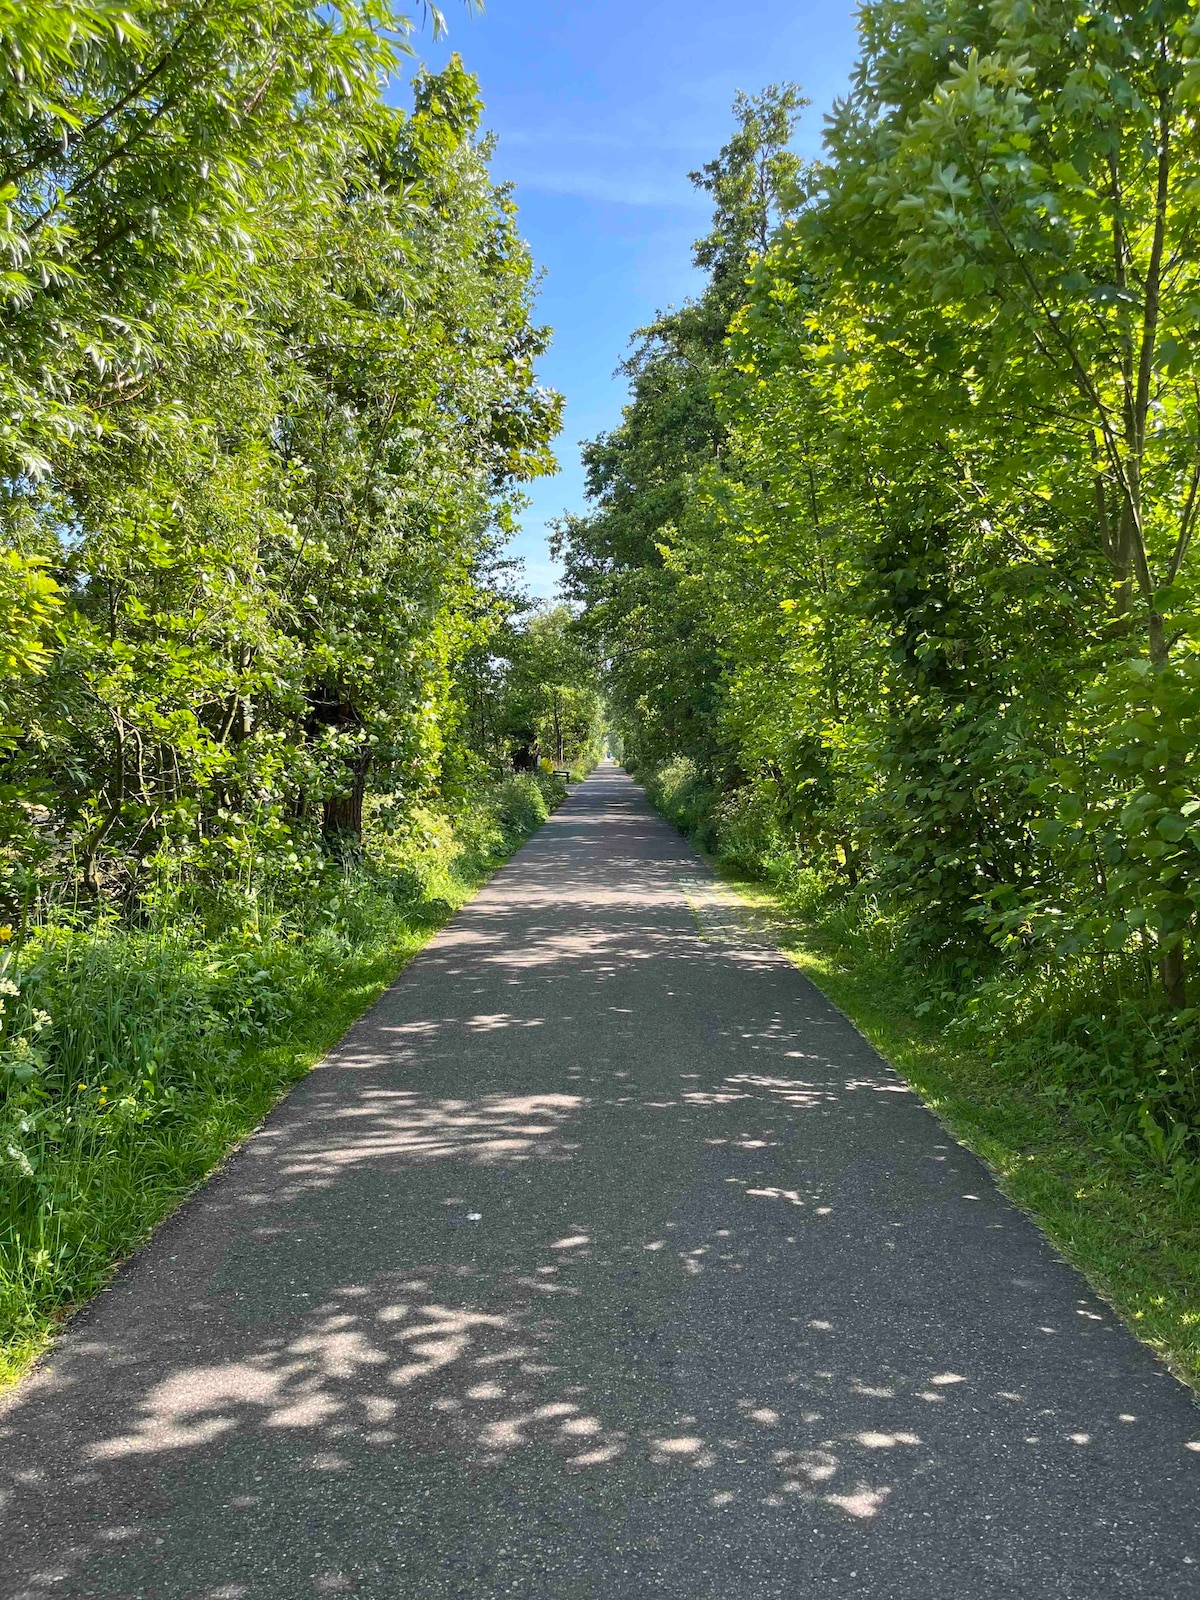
[603, 1258]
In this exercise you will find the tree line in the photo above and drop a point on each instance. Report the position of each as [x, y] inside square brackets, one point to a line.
[891, 554]
[268, 397]
[267, 402]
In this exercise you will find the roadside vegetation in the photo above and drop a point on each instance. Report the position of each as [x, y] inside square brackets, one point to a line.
[889, 580]
[892, 560]
[267, 401]
[139, 1056]
[1048, 1111]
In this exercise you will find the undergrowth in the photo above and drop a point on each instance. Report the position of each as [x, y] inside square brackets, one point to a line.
[134, 1056]
[1080, 1091]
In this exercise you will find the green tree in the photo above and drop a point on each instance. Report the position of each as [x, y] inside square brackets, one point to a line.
[272, 543]
[551, 707]
[135, 142]
[644, 613]
[1028, 172]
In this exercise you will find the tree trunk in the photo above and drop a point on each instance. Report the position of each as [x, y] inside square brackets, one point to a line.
[342, 816]
[1171, 973]
[851, 862]
[1122, 560]
[91, 850]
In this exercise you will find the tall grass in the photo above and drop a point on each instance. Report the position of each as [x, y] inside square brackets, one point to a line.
[132, 1058]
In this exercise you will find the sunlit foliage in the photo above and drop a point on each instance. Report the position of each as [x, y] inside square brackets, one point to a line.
[901, 565]
[268, 388]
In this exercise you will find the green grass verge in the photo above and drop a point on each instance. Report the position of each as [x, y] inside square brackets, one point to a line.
[168, 1167]
[1136, 1243]
[91, 1188]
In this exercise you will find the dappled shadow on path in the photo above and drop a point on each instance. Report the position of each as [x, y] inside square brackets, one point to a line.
[602, 1258]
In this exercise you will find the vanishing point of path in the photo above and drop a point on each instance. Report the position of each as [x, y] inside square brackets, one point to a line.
[603, 1259]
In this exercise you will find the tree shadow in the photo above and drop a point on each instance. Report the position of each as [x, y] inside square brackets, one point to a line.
[602, 1258]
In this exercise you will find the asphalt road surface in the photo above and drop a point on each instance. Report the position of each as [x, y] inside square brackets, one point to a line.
[604, 1259]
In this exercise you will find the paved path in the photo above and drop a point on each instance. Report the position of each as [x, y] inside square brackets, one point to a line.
[602, 1259]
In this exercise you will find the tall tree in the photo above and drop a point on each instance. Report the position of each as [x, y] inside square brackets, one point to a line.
[641, 475]
[274, 447]
[921, 600]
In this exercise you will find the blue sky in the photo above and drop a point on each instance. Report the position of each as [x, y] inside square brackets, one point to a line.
[601, 110]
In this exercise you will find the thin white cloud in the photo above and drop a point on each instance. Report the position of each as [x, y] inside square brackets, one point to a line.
[542, 578]
[635, 136]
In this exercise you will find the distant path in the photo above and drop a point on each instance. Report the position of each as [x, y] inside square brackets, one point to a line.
[736, 1320]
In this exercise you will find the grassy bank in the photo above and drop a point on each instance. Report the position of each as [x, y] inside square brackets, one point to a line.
[135, 1057]
[1075, 1098]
